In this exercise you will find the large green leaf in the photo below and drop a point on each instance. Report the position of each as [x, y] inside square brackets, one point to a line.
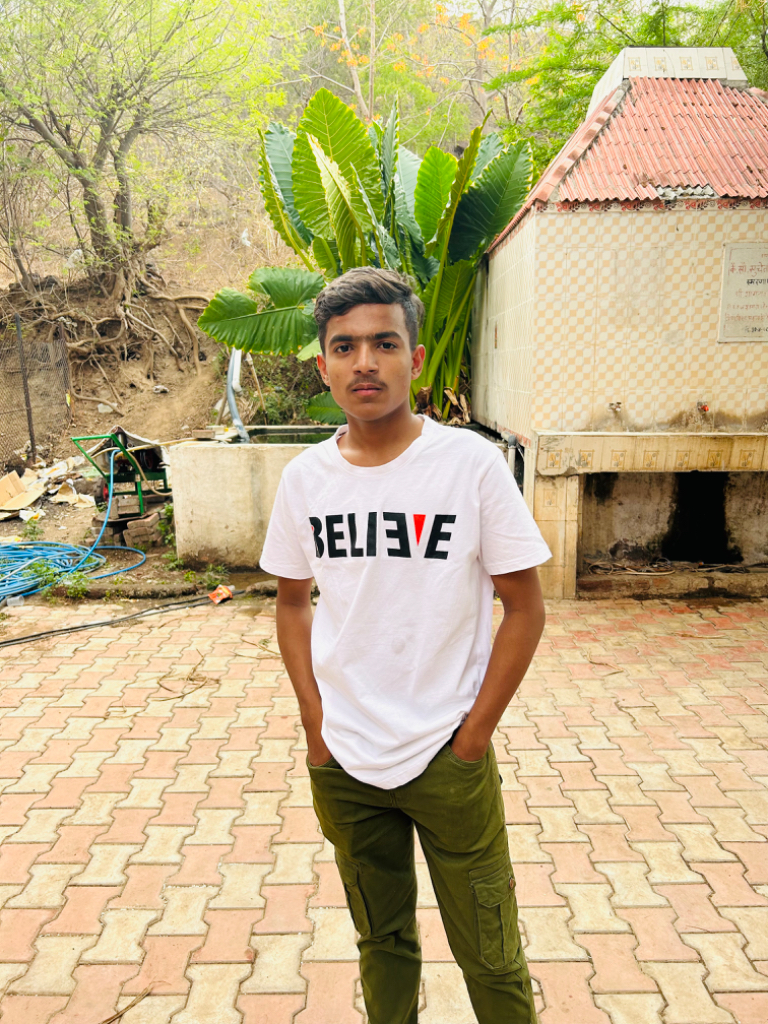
[326, 254]
[389, 147]
[348, 213]
[278, 142]
[408, 165]
[459, 185]
[490, 147]
[235, 320]
[308, 190]
[323, 409]
[286, 286]
[433, 188]
[309, 351]
[275, 206]
[404, 211]
[490, 203]
[453, 287]
[344, 140]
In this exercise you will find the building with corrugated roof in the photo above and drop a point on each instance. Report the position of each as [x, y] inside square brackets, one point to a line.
[620, 338]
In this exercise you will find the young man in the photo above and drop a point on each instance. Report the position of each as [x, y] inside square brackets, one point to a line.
[407, 527]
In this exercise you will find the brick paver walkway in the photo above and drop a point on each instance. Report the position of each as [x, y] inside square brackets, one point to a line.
[157, 829]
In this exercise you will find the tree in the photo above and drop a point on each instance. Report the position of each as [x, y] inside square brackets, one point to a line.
[342, 195]
[89, 79]
[434, 58]
[572, 43]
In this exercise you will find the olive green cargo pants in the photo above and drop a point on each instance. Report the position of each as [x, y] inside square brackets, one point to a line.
[458, 811]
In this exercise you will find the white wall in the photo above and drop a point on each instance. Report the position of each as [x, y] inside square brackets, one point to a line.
[592, 308]
[222, 499]
[627, 310]
[502, 336]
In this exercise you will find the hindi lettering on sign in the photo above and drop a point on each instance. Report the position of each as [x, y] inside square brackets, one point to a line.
[744, 296]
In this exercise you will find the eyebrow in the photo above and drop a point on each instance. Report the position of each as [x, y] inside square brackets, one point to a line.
[378, 336]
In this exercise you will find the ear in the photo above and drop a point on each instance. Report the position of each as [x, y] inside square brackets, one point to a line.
[323, 368]
[417, 361]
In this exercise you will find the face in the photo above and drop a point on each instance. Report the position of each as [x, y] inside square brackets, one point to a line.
[368, 363]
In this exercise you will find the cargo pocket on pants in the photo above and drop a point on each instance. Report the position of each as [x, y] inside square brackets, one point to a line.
[358, 908]
[496, 912]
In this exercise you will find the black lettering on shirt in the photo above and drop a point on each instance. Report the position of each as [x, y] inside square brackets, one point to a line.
[370, 546]
[399, 533]
[333, 537]
[317, 529]
[354, 552]
[437, 535]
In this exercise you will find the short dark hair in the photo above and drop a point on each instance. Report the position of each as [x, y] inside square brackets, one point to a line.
[369, 285]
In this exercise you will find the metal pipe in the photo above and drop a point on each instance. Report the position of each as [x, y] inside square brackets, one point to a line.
[233, 385]
[23, 367]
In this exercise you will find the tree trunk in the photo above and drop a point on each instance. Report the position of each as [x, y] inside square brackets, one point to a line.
[352, 69]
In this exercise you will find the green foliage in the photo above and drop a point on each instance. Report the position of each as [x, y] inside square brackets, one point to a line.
[173, 562]
[165, 527]
[357, 197]
[32, 531]
[213, 576]
[324, 409]
[75, 585]
[241, 322]
[578, 39]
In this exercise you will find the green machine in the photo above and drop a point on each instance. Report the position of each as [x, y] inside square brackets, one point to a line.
[138, 467]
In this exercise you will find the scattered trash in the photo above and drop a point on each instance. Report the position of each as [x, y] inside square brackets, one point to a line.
[31, 515]
[66, 494]
[222, 593]
[15, 602]
[103, 408]
[160, 389]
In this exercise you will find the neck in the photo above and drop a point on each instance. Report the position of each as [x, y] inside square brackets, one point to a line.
[374, 442]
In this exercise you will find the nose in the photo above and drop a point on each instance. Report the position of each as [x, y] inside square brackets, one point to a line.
[365, 359]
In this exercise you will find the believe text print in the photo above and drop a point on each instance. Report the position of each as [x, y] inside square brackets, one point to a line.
[346, 536]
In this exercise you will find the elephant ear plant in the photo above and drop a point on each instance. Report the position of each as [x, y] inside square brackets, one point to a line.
[344, 195]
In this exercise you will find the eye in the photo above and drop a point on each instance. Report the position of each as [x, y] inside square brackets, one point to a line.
[342, 348]
[388, 344]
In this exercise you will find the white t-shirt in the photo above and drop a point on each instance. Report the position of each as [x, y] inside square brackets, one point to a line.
[403, 556]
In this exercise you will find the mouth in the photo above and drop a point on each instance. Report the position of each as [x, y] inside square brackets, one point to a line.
[366, 389]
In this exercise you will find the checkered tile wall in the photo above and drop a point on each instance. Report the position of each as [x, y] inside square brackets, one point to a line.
[623, 307]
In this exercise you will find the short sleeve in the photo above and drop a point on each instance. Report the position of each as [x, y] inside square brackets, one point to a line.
[283, 554]
[509, 538]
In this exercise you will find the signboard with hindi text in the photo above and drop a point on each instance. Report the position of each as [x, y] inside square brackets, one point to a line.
[744, 296]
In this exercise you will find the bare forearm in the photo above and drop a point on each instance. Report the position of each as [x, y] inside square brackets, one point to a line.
[514, 647]
[294, 632]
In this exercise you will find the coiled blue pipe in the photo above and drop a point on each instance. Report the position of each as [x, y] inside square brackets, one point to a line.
[18, 561]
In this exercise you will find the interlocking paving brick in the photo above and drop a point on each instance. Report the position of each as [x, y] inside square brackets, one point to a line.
[97, 988]
[330, 994]
[694, 909]
[567, 996]
[50, 972]
[278, 959]
[164, 966]
[176, 838]
[686, 995]
[616, 969]
[212, 996]
[446, 1000]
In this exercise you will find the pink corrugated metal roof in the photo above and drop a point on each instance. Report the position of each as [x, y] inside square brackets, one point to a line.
[665, 133]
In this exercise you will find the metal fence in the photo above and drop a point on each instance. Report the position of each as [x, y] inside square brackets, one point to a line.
[34, 393]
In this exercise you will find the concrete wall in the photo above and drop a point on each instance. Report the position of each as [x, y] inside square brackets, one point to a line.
[625, 515]
[641, 516]
[222, 499]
